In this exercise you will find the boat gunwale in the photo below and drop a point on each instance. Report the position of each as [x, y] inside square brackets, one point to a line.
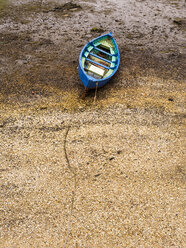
[114, 70]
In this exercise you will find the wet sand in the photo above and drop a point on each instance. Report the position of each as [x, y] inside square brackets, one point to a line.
[75, 173]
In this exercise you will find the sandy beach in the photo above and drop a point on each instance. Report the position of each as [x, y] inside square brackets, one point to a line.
[76, 173]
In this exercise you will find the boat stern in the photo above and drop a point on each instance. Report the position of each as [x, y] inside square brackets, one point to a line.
[83, 76]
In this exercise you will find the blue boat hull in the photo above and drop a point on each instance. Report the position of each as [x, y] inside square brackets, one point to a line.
[89, 81]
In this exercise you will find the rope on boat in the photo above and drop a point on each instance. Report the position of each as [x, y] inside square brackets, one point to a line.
[72, 170]
[96, 92]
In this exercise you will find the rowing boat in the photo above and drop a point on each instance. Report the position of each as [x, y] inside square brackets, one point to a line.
[98, 61]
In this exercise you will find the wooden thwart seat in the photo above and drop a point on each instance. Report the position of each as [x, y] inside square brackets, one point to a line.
[94, 62]
[96, 70]
[96, 56]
